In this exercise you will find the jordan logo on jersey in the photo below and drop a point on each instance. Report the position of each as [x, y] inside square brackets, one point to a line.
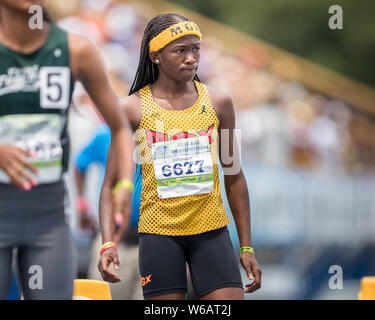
[203, 110]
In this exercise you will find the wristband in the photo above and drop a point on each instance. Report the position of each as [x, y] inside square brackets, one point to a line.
[106, 246]
[124, 183]
[247, 249]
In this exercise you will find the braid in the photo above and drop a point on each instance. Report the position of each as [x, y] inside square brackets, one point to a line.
[147, 72]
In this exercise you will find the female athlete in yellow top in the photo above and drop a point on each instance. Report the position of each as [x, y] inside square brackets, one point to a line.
[180, 125]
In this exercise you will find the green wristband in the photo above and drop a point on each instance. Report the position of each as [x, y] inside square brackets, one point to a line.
[125, 183]
[247, 249]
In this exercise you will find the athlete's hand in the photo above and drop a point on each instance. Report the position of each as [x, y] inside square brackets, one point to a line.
[122, 207]
[13, 162]
[108, 256]
[253, 271]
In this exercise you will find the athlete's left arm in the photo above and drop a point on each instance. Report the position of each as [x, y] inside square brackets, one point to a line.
[88, 67]
[235, 183]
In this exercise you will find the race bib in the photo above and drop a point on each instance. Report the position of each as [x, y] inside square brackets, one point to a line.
[39, 134]
[54, 87]
[183, 167]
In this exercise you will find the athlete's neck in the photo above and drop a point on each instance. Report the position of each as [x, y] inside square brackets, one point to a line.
[170, 88]
[16, 34]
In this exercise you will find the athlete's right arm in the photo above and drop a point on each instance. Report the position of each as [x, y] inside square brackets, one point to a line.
[13, 162]
[107, 220]
[131, 107]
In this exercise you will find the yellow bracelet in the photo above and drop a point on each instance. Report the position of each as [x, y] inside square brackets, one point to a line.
[247, 249]
[107, 245]
[124, 183]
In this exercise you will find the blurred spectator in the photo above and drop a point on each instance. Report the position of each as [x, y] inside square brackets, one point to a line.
[96, 152]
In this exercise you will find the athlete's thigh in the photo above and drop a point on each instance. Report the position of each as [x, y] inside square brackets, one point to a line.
[6, 272]
[162, 265]
[228, 293]
[213, 264]
[47, 266]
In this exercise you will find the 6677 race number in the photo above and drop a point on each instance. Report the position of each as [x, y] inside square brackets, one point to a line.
[186, 168]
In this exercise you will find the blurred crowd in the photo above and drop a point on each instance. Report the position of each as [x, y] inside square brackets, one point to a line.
[281, 122]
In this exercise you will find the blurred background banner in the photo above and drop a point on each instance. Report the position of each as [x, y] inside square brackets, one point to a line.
[305, 104]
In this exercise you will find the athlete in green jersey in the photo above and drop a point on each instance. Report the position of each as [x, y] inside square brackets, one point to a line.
[38, 68]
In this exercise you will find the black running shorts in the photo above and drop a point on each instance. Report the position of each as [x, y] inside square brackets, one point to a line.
[210, 255]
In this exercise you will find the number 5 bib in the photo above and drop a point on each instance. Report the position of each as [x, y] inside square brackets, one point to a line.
[183, 167]
[54, 87]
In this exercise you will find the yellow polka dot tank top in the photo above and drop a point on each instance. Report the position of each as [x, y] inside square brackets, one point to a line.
[183, 215]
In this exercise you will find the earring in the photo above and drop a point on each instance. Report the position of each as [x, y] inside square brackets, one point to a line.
[157, 61]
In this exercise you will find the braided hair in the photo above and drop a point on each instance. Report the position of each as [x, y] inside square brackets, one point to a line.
[147, 71]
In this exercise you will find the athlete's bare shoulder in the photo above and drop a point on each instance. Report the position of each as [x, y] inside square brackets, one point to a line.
[79, 44]
[84, 55]
[132, 107]
[222, 102]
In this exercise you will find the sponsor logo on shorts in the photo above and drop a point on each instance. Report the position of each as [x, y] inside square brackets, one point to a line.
[146, 280]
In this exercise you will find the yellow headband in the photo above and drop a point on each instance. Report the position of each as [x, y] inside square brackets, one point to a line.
[174, 32]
